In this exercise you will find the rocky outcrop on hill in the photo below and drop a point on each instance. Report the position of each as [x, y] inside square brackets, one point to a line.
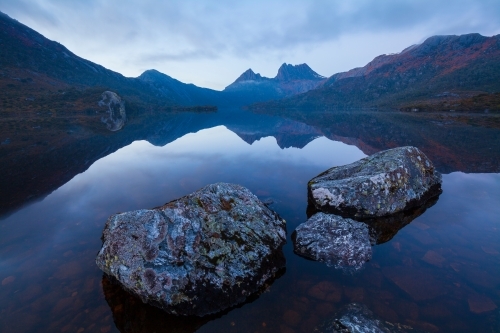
[382, 184]
[116, 111]
[197, 255]
[339, 242]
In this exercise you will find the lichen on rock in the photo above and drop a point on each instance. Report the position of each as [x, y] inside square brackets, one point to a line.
[378, 185]
[339, 242]
[197, 255]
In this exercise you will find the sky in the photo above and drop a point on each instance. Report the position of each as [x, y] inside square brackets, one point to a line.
[210, 43]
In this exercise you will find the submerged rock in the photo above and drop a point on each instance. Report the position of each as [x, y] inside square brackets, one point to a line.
[116, 111]
[197, 255]
[357, 318]
[378, 185]
[334, 240]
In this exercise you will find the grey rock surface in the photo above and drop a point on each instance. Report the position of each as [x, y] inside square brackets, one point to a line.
[339, 242]
[357, 318]
[116, 111]
[378, 185]
[197, 255]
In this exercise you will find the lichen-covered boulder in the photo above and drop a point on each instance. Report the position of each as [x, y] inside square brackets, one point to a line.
[197, 255]
[339, 242]
[357, 318]
[378, 185]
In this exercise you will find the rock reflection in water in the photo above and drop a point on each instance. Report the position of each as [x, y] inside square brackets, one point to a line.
[383, 229]
[131, 315]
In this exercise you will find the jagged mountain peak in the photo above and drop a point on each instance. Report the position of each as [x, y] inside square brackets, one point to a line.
[249, 75]
[289, 72]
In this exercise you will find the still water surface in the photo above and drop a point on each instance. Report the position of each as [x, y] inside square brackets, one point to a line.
[441, 273]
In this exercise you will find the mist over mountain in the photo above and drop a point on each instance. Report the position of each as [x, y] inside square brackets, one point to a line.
[443, 69]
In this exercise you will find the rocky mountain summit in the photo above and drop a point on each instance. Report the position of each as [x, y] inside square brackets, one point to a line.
[290, 80]
[288, 72]
[249, 75]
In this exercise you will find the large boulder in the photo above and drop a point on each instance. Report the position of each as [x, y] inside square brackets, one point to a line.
[378, 185]
[339, 242]
[197, 255]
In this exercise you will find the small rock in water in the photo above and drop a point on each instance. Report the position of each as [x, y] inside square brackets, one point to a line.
[378, 185]
[334, 240]
[357, 318]
[197, 255]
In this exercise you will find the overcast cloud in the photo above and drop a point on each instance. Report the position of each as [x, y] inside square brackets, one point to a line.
[210, 43]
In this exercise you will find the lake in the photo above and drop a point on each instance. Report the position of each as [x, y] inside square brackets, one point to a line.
[440, 273]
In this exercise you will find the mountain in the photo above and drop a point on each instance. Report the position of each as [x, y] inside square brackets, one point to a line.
[442, 70]
[33, 67]
[179, 92]
[290, 80]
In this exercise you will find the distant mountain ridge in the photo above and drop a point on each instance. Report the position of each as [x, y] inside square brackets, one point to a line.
[442, 68]
[442, 72]
[27, 55]
[179, 92]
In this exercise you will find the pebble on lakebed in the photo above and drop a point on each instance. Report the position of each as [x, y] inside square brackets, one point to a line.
[197, 255]
[357, 318]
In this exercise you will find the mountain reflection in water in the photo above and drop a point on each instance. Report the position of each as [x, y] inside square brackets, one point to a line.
[37, 169]
[441, 272]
